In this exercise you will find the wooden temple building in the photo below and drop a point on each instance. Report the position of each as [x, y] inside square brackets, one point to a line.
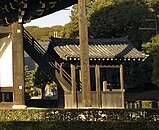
[13, 14]
[91, 78]
[106, 57]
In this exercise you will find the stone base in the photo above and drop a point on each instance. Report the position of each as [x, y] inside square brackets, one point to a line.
[19, 107]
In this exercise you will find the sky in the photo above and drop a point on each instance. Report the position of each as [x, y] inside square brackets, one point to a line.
[58, 18]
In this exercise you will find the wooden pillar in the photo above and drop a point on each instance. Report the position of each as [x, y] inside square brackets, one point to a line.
[84, 54]
[97, 73]
[18, 66]
[122, 84]
[73, 77]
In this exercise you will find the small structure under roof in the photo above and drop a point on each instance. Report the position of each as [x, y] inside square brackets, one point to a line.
[106, 58]
[99, 49]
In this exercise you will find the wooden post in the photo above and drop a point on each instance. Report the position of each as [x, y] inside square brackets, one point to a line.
[84, 54]
[18, 66]
[105, 85]
[97, 73]
[80, 77]
[122, 83]
[73, 77]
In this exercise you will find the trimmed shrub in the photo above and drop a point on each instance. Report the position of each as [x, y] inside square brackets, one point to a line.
[82, 119]
[92, 115]
[80, 125]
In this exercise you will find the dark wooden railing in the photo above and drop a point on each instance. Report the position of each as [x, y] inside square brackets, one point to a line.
[55, 65]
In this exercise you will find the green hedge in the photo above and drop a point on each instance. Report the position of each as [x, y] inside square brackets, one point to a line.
[82, 119]
[79, 125]
[80, 115]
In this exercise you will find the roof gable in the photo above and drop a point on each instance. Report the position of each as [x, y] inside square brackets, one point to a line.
[99, 49]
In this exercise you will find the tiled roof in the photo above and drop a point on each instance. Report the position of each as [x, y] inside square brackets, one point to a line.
[99, 49]
[26, 10]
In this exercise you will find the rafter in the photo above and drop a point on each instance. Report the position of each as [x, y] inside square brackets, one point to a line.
[25, 10]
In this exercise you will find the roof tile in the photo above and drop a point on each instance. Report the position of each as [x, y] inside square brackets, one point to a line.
[114, 48]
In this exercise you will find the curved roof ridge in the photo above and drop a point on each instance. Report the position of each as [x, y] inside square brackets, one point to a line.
[65, 41]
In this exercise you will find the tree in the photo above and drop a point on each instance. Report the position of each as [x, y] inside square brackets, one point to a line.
[43, 34]
[71, 30]
[152, 47]
[29, 75]
[121, 19]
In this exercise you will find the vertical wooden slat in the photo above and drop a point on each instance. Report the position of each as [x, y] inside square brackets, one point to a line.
[73, 77]
[97, 73]
[105, 85]
[122, 83]
[80, 77]
[84, 54]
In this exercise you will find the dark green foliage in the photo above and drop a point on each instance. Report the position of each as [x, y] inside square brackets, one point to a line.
[155, 73]
[152, 47]
[28, 77]
[138, 75]
[79, 125]
[69, 30]
[41, 78]
[28, 81]
[120, 20]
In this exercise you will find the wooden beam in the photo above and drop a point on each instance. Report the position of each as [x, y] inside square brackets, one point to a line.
[18, 64]
[64, 84]
[98, 89]
[61, 70]
[122, 84]
[84, 54]
[6, 89]
[5, 29]
[105, 66]
[73, 77]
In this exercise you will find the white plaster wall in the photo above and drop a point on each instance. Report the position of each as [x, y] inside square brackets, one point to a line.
[6, 69]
